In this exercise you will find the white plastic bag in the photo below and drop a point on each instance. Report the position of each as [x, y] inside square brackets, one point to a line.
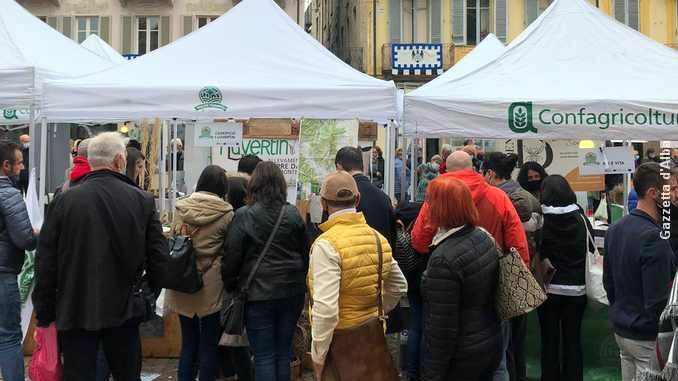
[33, 203]
[595, 290]
[160, 304]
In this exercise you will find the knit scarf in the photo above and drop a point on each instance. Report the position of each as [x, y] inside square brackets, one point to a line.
[80, 168]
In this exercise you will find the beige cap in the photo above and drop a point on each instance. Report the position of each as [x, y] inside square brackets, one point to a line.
[339, 186]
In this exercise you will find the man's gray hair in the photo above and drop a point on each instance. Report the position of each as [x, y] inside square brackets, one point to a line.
[446, 148]
[82, 147]
[103, 149]
[458, 160]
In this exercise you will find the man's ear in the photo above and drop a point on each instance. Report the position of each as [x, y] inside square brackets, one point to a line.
[5, 166]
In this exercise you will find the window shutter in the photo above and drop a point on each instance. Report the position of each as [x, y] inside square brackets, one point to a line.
[436, 21]
[52, 21]
[620, 10]
[164, 30]
[127, 32]
[458, 22]
[500, 23]
[188, 24]
[105, 29]
[396, 20]
[67, 26]
[633, 11]
[531, 11]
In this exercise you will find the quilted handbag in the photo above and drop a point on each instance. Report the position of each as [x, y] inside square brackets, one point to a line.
[408, 259]
[518, 292]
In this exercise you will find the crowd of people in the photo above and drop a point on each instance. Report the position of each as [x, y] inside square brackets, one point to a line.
[102, 260]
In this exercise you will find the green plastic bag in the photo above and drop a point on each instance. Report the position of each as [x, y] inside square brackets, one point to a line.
[27, 276]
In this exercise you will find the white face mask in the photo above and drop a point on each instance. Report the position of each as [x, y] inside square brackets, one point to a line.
[435, 166]
[26, 145]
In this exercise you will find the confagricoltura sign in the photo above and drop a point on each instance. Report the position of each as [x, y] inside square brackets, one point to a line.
[523, 117]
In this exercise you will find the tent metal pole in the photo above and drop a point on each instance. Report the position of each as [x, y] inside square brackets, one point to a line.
[163, 166]
[627, 183]
[413, 168]
[43, 164]
[389, 171]
[174, 165]
[403, 170]
[31, 133]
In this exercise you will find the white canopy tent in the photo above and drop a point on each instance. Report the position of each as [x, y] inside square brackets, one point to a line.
[573, 73]
[96, 45]
[34, 52]
[228, 69]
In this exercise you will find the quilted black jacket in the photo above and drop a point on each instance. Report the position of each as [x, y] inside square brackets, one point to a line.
[16, 232]
[462, 339]
[282, 273]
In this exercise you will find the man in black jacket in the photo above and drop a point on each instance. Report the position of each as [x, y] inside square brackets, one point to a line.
[638, 271]
[374, 203]
[16, 236]
[98, 241]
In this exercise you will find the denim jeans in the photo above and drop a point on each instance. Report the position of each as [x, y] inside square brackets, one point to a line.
[199, 345]
[103, 373]
[416, 326]
[237, 361]
[11, 356]
[502, 374]
[270, 328]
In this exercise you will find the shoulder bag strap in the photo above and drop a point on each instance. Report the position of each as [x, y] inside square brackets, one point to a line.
[380, 268]
[265, 250]
[590, 241]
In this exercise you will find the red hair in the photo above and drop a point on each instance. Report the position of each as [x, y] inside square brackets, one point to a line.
[450, 204]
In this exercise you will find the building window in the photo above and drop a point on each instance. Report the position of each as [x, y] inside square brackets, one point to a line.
[86, 26]
[415, 23]
[148, 34]
[204, 20]
[477, 20]
[42, 18]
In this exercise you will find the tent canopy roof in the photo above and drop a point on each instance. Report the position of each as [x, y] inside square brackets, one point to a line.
[572, 55]
[487, 51]
[273, 70]
[33, 51]
[96, 45]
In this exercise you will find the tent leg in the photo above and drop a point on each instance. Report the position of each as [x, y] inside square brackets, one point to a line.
[163, 166]
[389, 172]
[413, 168]
[43, 164]
[174, 166]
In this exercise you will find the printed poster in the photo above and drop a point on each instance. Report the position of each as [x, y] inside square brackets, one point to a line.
[319, 142]
[283, 152]
[228, 134]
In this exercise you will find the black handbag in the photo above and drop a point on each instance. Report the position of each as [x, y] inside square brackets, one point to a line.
[233, 316]
[143, 299]
[408, 259]
[182, 269]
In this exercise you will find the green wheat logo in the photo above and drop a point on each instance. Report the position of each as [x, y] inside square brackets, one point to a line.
[211, 97]
[9, 114]
[520, 117]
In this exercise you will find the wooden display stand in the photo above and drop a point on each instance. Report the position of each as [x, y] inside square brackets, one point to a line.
[168, 346]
